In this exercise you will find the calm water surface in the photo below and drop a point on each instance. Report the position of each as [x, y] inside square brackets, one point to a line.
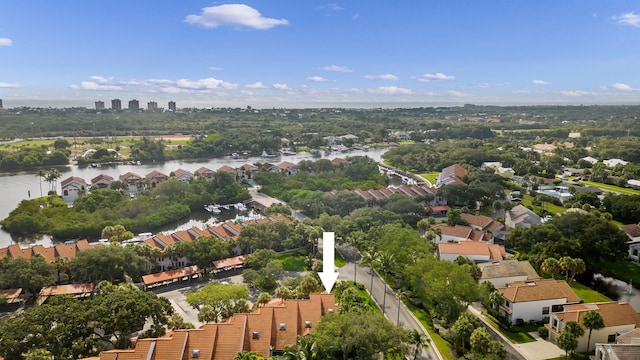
[15, 187]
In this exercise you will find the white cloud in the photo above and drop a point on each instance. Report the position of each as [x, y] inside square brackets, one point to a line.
[485, 85]
[381, 77]
[93, 85]
[256, 85]
[204, 84]
[101, 79]
[337, 68]
[6, 42]
[540, 82]
[630, 18]
[5, 85]
[280, 86]
[233, 14]
[330, 6]
[245, 93]
[391, 90]
[574, 93]
[317, 79]
[622, 87]
[521, 92]
[173, 90]
[458, 94]
[214, 68]
[435, 77]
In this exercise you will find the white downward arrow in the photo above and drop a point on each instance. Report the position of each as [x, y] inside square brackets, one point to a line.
[328, 274]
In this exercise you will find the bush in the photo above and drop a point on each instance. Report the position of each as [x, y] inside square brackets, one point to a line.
[543, 332]
[515, 329]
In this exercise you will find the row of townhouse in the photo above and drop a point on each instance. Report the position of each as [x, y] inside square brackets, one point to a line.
[228, 230]
[74, 187]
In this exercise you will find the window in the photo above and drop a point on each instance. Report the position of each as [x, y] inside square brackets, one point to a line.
[307, 324]
[611, 338]
[545, 310]
[556, 308]
[65, 192]
[506, 303]
[256, 335]
[283, 326]
[554, 323]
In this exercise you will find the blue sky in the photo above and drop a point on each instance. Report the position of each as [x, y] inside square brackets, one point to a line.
[293, 53]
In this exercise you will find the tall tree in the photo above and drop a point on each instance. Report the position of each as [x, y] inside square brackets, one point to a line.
[41, 174]
[218, 301]
[551, 266]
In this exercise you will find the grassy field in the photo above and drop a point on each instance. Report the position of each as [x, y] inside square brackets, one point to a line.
[527, 200]
[431, 176]
[623, 270]
[441, 344]
[291, 262]
[26, 143]
[586, 294]
[515, 337]
[340, 261]
[613, 188]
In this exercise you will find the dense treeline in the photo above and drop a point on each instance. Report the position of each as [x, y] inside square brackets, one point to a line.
[170, 201]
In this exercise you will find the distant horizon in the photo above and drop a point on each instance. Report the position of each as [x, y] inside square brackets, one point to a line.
[288, 53]
[63, 104]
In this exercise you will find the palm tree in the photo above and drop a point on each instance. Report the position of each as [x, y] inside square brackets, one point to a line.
[592, 320]
[419, 340]
[423, 225]
[52, 178]
[370, 258]
[551, 266]
[387, 261]
[304, 349]
[41, 174]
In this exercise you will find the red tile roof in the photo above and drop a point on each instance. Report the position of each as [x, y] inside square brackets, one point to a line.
[170, 275]
[69, 289]
[229, 262]
[537, 290]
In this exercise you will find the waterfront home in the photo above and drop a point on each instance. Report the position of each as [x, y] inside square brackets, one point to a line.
[156, 177]
[204, 172]
[72, 188]
[182, 175]
[101, 181]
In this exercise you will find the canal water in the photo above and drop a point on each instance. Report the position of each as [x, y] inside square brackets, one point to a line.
[15, 187]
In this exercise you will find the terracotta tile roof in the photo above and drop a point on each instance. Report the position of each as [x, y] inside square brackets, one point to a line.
[157, 175]
[178, 173]
[613, 313]
[497, 252]
[66, 182]
[11, 294]
[206, 172]
[66, 251]
[83, 245]
[170, 275]
[440, 208]
[454, 170]
[459, 231]
[258, 331]
[286, 165]
[226, 168]
[101, 178]
[548, 289]
[465, 248]
[130, 178]
[4, 252]
[477, 220]
[48, 253]
[69, 289]
[229, 262]
[183, 236]
[15, 251]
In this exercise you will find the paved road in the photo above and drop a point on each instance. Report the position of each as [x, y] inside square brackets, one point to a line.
[406, 319]
[512, 353]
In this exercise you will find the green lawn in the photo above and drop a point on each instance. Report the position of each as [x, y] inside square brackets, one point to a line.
[527, 200]
[614, 188]
[443, 346]
[32, 143]
[430, 176]
[340, 261]
[586, 294]
[515, 337]
[292, 263]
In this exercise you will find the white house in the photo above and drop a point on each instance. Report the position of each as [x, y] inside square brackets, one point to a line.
[627, 346]
[633, 233]
[614, 162]
[458, 233]
[533, 300]
[102, 181]
[72, 188]
[618, 317]
[590, 159]
[503, 272]
[183, 175]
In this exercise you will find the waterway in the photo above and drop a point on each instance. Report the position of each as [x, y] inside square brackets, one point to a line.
[15, 187]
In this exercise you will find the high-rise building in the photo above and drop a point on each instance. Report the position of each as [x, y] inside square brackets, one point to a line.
[134, 105]
[152, 106]
[99, 105]
[116, 104]
[172, 105]
[0, 103]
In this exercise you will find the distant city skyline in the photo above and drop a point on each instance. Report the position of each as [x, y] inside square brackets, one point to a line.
[288, 53]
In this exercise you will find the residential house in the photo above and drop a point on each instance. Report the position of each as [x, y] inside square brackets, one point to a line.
[287, 168]
[503, 272]
[451, 175]
[521, 216]
[247, 171]
[532, 300]
[614, 162]
[183, 175]
[590, 160]
[472, 250]
[156, 177]
[487, 224]
[633, 233]
[229, 170]
[133, 182]
[72, 188]
[101, 181]
[627, 347]
[205, 173]
[266, 331]
[618, 317]
[340, 161]
[544, 148]
[459, 233]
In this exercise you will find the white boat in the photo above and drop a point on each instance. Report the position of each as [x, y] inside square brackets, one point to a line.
[266, 155]
[214, 209]
[240, 207]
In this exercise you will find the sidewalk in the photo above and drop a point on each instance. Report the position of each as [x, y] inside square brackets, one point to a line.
[537, 350]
